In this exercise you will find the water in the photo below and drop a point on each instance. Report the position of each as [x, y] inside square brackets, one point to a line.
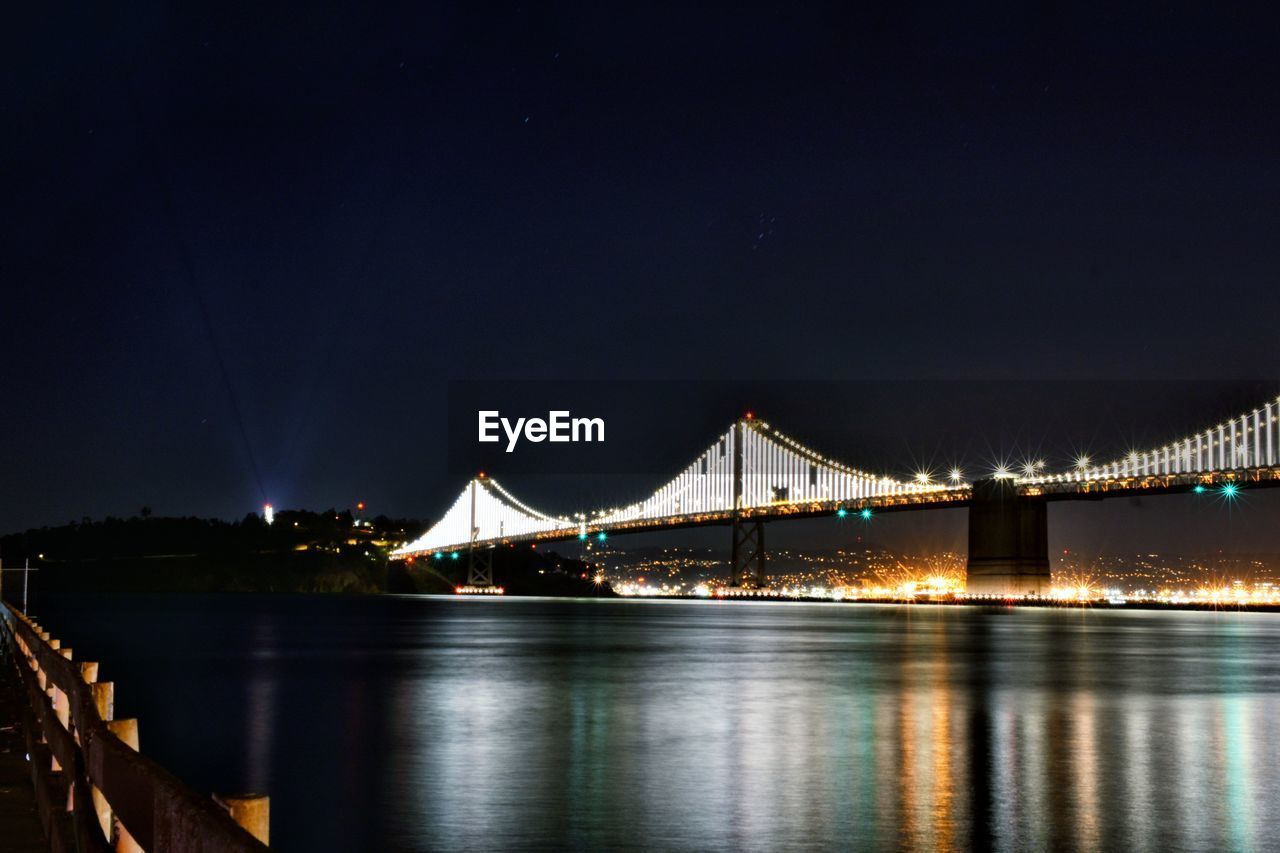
[389, 723]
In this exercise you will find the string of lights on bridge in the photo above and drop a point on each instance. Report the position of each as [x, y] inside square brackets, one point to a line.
[780, 476]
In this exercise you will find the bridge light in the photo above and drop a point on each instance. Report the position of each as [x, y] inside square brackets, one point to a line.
[453, 555]
[582, 536]
[438, 555]
[1002, 473]
[922, 477]
[602, 536]
[957, 476]
[1082, 462]
[865, 514]
[841, 512]
[1199, 489]
[1230, 491]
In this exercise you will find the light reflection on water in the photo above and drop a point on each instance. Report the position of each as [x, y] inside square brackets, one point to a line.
[419, 724]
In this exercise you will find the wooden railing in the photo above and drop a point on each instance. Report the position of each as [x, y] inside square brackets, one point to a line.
[94, 790]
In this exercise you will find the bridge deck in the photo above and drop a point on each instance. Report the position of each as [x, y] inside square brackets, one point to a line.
[19, 822]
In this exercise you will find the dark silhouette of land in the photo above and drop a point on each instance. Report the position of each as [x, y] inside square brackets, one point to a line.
[302, 551]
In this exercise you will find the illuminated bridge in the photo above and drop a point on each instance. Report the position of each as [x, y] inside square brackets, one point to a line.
[752, 474]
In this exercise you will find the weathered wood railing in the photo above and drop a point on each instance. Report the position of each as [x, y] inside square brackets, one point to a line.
[95, 791]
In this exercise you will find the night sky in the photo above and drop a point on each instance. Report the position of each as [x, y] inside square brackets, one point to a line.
[245, 250]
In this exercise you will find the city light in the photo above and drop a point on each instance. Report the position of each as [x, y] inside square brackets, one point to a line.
[865, 514]
[957, 476]
[841, 512]
[269, 513]
[1230, 491]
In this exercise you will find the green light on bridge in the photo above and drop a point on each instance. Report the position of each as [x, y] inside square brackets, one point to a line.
[582, 536]
[842, 512]
[438, 555]
[453, 556]
[602, 536]
[1199, 490]
[1230, 491]
[865, 515]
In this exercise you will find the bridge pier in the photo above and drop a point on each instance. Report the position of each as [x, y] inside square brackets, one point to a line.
[480, 566]
[1008, 541]
[747, 557]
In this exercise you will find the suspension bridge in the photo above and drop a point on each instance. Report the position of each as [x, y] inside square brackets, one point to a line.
[753, 474]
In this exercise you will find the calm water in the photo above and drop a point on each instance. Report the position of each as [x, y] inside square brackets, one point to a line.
[388, 723]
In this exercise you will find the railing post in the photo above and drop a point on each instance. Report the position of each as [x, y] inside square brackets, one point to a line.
[104, 697]
[101, 808]
[252, 811]
[127, 731]
[61, 707]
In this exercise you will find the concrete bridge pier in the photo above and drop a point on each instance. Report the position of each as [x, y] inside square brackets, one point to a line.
[1008, 541]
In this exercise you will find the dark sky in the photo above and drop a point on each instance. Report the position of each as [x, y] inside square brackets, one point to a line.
[245, 249]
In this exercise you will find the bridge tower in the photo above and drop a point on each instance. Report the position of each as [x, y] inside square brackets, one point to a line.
[479, 565]
[747, 557]
[1008, 541]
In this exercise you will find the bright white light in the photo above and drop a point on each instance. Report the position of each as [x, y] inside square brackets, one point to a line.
[269, 513]
[1082, 461]
[1003, 473]
[922, 477]
[957, 476]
